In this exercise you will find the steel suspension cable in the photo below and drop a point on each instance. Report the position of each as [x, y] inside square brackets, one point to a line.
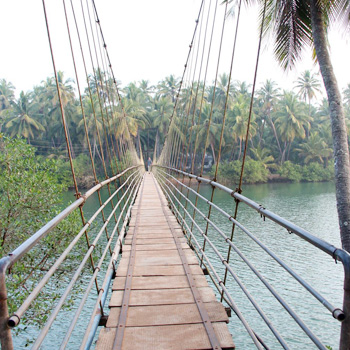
[239, 188]
[98, 93]
[84, 117]
[181, 82]
[210, 120]
[110, 66]
[87, 138]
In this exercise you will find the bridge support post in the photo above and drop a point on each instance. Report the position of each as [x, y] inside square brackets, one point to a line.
[5, 331]
[345, 328]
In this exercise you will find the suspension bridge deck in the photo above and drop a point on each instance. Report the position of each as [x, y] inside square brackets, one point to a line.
[161, 298]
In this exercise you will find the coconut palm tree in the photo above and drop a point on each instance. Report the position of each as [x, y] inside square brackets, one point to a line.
[315, 149]
[163, 108]
[168, 87]
[7, 94]
[263, 155]
[240, 113]
[291, 121]
[23, 123]
[308, 85]
[267, 95]
[305, 22]
[91, 109]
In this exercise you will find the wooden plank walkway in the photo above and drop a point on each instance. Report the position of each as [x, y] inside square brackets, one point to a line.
[161, 299]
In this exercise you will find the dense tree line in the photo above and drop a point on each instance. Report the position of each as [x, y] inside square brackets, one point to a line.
[287, 126]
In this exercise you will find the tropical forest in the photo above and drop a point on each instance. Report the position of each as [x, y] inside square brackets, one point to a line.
[289, 138]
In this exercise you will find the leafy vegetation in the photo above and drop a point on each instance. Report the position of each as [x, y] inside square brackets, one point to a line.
[289, 134]
[30, 196]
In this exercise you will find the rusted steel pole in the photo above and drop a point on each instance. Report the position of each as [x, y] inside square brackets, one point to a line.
[345, 327]
[5, 331]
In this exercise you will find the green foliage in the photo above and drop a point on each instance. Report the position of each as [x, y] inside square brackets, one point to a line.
[313, 172]
[254, 172]
[30, 195]
[284, 126]
[290, 171]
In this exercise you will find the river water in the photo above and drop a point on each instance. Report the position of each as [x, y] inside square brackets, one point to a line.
[309, 205]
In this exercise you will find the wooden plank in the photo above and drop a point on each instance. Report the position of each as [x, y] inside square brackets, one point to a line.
[172, 270]
[155, 246]
[167, 240]
[179, 337]
[154, 234]
[159, 282]
[161, 258]
[157, 315]
[162, 296]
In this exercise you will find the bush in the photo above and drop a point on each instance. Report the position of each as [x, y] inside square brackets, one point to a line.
[30, 195]
[254, 172]
[290, 171]
[315, 172]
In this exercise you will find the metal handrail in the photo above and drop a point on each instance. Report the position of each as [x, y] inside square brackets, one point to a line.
[39, 235]
[6, 262]
[219, 281]
[256, 272]
[338, 254]
[75, 277]
[336, 312]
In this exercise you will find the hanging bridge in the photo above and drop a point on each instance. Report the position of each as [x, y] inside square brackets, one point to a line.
[157, 265]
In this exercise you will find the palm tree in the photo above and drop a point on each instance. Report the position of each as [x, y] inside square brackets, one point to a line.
[94, 127]
[23, 124]
[308, 85]
[6, 94]
[168, 87]
[315, 149]
[214, 131]
[145, 87]
[163, 108]
[6, 97]
[240, 113]
[263, 155]
[305, 22]
[291, 121]
[267, 95]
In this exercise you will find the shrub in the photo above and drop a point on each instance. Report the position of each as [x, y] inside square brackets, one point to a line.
[30, 195]
[254, 172]
[290, 171]
[315, 172]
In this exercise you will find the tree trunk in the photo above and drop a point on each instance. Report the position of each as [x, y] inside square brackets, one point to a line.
[340, 149]
[339, 134]
[213, 151]
[275, 134]
[240, 149]
[261, 132]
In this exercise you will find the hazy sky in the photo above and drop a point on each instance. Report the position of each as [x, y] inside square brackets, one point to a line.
[146, 40]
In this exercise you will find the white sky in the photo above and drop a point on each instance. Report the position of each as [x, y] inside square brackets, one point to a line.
[146, 40]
